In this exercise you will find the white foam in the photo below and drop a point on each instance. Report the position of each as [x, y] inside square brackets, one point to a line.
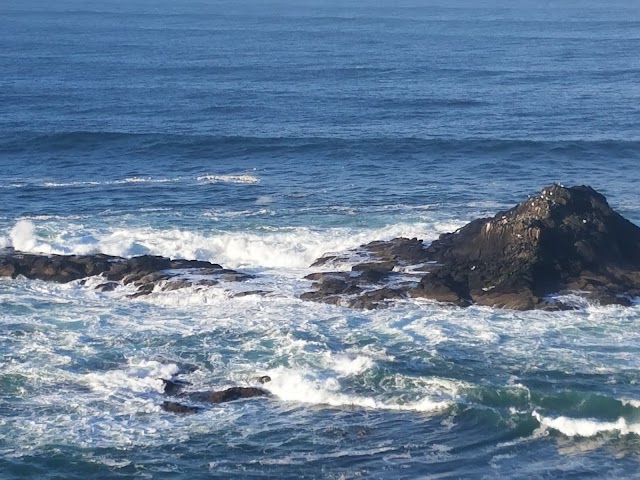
[140, 376]
[23, 236]
[71, 184]
[209, 178]
[298, 386]
[234, 178]
[122, 181]
[289, 247]
[577, 427]
[348, 364]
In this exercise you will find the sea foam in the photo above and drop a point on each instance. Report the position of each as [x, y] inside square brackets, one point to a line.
[305, 387]
[578, 427]
[285, 247]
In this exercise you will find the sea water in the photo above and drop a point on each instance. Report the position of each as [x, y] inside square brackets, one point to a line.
[261, 135]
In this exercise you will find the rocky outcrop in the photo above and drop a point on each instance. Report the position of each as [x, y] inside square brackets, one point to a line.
[145, 272]
[565, 239]
[562, 240]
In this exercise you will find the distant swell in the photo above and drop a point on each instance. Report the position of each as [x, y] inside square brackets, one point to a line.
[207, 145]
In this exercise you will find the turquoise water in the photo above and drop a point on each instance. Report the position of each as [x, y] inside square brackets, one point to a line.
[261, 136]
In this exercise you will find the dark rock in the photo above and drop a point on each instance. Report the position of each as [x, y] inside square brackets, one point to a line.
[324, 260]
[399, 251]
[229, 395]
[263, 379]
[179, 408]
[107, 287]
[145, 272]
[353, 289]
[192, 264]
[177, 284]
[7, 269]
[564, 238]
[372, 272]
[375, 298]
[251, 292]
[173, 387]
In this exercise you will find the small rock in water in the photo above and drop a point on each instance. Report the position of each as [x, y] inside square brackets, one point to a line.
[179, 408]
[229, 395]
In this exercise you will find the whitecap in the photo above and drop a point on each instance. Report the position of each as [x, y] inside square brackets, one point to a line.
[304, 387]
[579, 427]
[231, 178]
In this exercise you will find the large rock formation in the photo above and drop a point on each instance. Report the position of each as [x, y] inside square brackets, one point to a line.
[145, 272]
[565, 239]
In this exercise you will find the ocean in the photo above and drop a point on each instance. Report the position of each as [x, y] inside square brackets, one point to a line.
[261, 135]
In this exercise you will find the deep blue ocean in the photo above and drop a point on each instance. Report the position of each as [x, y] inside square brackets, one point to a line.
[261, 135]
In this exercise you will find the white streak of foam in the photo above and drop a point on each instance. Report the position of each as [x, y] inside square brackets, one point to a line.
[291, 247]
[296, 386]
[220, 178]
[236, 178]
[577, 427]
[141, 376]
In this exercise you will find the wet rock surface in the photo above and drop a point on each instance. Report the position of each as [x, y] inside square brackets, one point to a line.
[175, 388]
[562, 240]
[145, 272]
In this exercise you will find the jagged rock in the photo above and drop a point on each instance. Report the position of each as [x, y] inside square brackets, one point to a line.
[396, 252]
[355, 288]
[229, 395]
[375, 298]
[179, 408]
[399, 251]
[107, 286]
[563, 239]
[145, 272]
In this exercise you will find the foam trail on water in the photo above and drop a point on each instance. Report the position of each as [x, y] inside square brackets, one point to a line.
[297, 386]
[141, 376]
[234, 178]
[577, 427]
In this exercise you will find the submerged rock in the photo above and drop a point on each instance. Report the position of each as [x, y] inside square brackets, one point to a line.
[565, 239]
[146, 272]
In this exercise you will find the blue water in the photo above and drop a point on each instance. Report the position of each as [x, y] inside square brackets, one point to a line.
[261, 135]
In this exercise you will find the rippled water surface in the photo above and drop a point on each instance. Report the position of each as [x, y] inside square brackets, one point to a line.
[261, 135]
